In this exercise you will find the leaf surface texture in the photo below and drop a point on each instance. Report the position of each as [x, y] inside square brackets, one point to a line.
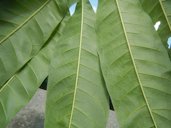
[135, 65]
[25, 28]
[76, 94]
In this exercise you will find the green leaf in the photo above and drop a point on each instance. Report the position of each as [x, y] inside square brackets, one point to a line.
[76, 94]
[135, 65]
[15, 13]
[160, 10]
[25, 28]
[18, 91]
[70, 2]
[65, 4]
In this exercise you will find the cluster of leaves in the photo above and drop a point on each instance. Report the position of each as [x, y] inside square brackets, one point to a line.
[88, 57]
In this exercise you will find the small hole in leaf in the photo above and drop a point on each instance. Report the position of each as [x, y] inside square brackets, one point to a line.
[72, 9]
[94, 4]
[169, 43]
[157, 25]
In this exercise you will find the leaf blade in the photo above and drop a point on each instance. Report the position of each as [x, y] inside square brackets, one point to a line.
[75, 104]
[125, 55]
[26, 42]
[158, 11]
[18, 91]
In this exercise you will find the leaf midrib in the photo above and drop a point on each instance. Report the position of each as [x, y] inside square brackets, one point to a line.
[165, 14]
[134, 65]
[78, 65]
[22, 24]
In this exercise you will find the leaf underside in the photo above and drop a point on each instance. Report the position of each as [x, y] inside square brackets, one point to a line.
[134, 62]
[76, 94]
[135, 65]
[21, 87]
[160, 10]
[28, 35]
